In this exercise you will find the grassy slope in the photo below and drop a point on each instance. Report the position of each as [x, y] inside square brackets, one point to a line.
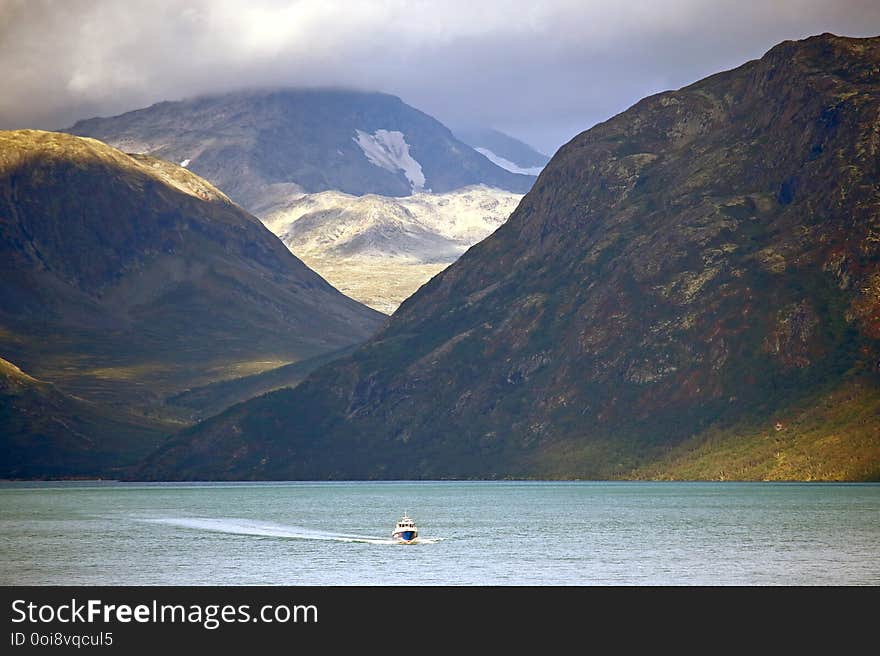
[213, 398]
[833, 436]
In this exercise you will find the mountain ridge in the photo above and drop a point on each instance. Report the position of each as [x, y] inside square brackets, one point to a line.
[124, 279]
[262, 146]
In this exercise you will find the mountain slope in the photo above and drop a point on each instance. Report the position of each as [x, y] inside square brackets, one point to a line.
[128, 278]
[704, 261]
[378, 249]
[261, 147]
[213, 398]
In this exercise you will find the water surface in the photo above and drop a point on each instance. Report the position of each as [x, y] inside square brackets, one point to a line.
[473, 533]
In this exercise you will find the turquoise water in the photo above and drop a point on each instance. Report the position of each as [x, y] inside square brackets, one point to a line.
[472, 533]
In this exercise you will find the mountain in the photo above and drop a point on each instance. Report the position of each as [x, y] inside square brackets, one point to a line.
[379, 249]
[124, 279]
[697, 275]
[384, 185]
[505, 151]
[262, 147]
[47, 433]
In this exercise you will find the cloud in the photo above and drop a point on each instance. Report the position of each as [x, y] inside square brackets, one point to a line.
[543, 71]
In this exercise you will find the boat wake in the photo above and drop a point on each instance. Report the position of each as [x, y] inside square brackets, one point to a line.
[267, 529]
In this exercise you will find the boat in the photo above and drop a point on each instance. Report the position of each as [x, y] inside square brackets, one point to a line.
[405, 532]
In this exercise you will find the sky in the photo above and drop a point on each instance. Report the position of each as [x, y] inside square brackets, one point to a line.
[540, 71]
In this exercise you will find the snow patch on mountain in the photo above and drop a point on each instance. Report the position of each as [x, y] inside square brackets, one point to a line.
[388, 149]
[507, 164]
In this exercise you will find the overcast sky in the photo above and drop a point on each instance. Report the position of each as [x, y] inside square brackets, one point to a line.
[541, 71]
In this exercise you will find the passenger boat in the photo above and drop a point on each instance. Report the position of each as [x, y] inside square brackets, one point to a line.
[405, 532]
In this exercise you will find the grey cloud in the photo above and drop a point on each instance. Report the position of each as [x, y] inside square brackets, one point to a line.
[540, 71]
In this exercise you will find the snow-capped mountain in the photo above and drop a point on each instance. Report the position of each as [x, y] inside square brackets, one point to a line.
[503, 150]
[262, 147]
[506, 164]
[380, 249]
[374, 195]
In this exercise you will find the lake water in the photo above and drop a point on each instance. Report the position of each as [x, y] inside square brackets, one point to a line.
[472, 533]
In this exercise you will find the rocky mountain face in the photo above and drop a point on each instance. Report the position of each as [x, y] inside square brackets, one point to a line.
[380, 249]
[263, 147]
[124, 279]
[704, 263]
